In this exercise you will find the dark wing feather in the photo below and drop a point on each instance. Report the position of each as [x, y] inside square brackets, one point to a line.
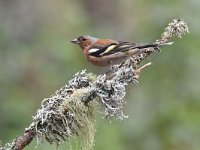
[101, 50]
[121, 47]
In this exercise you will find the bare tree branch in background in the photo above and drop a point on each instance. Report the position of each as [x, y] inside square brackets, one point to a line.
[70, 112]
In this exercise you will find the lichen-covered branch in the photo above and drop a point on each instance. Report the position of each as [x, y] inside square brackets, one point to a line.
[70, 112]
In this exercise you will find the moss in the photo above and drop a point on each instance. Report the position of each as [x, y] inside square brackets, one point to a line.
[83, 117]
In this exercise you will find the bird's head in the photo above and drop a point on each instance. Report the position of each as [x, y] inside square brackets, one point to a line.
[84, 41]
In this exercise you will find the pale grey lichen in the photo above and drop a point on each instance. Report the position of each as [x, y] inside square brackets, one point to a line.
[111, 93]
[177, 27]
[7, 146]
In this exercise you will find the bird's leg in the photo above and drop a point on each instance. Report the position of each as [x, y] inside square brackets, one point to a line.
[111, 65]
[112, 69]
[121, 64]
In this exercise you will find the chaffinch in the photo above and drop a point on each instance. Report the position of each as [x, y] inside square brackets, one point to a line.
[106, 52]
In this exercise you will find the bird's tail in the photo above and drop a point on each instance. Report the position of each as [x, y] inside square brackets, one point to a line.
[153, 45]
[145, 48]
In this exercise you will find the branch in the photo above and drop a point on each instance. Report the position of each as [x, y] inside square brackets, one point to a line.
[70, 112]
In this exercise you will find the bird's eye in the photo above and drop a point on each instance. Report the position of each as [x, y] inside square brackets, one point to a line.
[80, 38]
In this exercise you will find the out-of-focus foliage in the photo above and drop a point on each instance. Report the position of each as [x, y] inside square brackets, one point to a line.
[36, 58]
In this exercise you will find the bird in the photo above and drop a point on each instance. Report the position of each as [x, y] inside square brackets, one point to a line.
[107, 52]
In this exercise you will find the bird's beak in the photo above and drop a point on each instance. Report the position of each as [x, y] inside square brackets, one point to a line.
[75, 41]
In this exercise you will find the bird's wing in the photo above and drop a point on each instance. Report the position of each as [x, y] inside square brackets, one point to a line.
[101, 47]
[112, 47]
[107, 47]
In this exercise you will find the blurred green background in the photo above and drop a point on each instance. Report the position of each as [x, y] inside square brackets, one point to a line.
[36, 59]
